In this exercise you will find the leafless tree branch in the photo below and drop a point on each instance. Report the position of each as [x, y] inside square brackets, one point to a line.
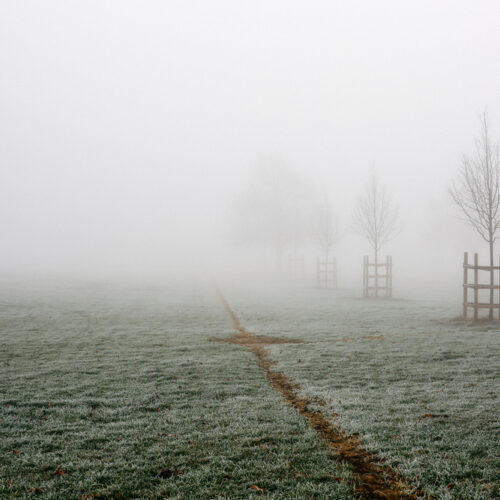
[476, 191]
[375, 217]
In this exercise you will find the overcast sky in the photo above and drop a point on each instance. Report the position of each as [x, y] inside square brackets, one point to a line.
[126, 128]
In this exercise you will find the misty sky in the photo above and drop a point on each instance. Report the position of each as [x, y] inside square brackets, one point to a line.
[126, 128]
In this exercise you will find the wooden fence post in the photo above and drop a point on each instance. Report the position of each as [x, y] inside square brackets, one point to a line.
[476, 290]
[465, 291]
[365, 287]
[390, 279]
[388, 276]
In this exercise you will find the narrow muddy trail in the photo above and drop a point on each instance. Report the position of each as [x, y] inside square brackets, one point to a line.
[374, 480]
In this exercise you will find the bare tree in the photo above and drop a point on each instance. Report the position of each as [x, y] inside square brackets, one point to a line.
[376, 218]
[325, 232]
[274, 209]
[477, 191]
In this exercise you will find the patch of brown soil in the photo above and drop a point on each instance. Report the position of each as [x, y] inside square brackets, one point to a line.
[374, 480]
[243, 337]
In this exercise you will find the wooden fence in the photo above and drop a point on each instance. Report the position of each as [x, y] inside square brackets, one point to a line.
[476, 287]
[326, 273]
[377, 284]
[296, 266]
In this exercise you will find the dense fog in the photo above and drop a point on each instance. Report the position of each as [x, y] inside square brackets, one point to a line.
[185, 138]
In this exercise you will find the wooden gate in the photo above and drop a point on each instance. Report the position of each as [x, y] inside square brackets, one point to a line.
[377, 278]
[326, 273]
[476, 286]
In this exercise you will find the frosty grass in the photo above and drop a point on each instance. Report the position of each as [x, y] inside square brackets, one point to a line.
[120, 390]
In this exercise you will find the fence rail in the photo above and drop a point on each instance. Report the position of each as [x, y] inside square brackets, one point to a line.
[371, 278]
[475, 305]
[326, 273]
[481, 268]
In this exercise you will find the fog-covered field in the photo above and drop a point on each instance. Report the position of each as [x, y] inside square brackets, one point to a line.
[120, 389]
[117, 392]
[175, 176]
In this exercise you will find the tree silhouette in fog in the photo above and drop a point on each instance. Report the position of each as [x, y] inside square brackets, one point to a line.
[375, 216]
[325, 228]
[274, 210]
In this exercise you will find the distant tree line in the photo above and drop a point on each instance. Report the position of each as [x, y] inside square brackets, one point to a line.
[282, 209]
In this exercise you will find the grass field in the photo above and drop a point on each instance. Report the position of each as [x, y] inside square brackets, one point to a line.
[116, 392]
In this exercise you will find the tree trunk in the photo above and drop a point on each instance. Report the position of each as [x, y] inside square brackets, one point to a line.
[492, 280]
[376, 272]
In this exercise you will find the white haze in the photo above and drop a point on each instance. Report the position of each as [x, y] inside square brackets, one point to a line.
[127, 129]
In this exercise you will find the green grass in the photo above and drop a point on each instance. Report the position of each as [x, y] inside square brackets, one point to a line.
[113, 385]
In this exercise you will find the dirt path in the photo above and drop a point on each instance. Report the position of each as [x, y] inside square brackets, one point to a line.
[374, 480]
